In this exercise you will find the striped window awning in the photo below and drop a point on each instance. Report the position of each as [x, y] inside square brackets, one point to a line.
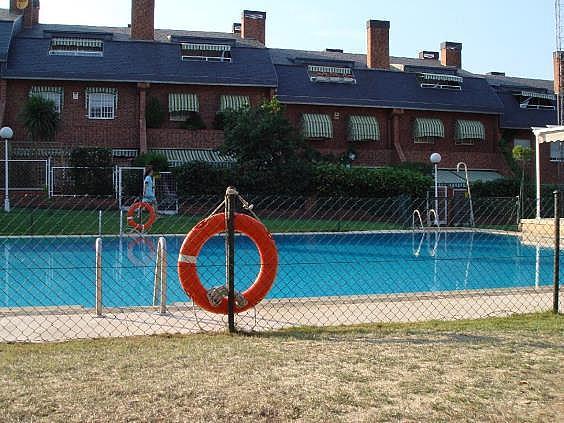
[330, 70]
[77, 42]
[432, 77]
[102, 90]
[205, 47]
[178, 157]
[125, 152]
[40, 90]
[470, 130]
[183, 103]
[542, 96]
[40, 153]
[363, 128]
[425, 127]
[317, 126]
[234, 102]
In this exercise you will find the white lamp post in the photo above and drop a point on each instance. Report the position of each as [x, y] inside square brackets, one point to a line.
[435, 160]
[6, 134]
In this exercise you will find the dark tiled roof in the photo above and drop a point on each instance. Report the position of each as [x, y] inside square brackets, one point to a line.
[135, 61]
[514, 117]
[378, 88]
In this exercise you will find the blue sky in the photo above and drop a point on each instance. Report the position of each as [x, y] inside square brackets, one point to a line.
[515, 36]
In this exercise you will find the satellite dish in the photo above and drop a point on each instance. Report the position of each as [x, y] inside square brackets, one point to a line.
[22, 4]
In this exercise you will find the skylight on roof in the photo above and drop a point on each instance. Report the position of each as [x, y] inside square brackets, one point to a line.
[205, 52]
[440, 81]
[76, 47]
[335, 74]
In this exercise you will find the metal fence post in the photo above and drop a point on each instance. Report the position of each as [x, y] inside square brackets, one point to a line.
[164, 262]
[230, 197]
[99, 277]
[99, 222]
[555, 306]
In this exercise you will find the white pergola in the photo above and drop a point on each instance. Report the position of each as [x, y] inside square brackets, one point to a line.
[548, 134]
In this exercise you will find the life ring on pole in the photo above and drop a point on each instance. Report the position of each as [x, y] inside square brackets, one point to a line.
[214, 300]
[141, 227]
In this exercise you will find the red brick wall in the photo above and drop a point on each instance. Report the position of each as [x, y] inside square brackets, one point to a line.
[182, 138]
[208, 97]
[75, 128]
[369, 153]
[451, 54]
[143, 19]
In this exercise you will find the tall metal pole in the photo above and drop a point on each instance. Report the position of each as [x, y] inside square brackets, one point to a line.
[230, 198]
[556, 252]
[436, 194]
[6, 175]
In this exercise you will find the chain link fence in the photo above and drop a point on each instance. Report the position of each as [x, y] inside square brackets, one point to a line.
[340, 261]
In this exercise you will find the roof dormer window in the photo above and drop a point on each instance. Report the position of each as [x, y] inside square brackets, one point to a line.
[335, 74]
[76, 47]
[200, 52]
[440, 81]
[535, 100]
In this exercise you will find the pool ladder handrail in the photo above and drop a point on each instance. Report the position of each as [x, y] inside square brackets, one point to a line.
[458, 166]
[417, 213]
[436, 220]
[160, 284]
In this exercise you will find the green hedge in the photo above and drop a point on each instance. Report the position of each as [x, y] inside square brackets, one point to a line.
[299, 179]
[92, 171]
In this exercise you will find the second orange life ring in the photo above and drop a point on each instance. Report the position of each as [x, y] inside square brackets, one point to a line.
[138, 226]
[192, 245]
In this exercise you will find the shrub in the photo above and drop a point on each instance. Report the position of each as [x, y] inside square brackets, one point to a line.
[202, 178]
[157, 161]
[154, 113]
[219, 121]
[92, 171]
[40, 118]
[193, 122]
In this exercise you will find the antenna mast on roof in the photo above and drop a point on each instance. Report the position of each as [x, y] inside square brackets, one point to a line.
[559, 73]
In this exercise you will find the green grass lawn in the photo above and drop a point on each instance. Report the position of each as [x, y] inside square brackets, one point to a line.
[78, 222]
[499, 370]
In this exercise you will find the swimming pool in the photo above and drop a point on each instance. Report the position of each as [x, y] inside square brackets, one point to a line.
[45, 272]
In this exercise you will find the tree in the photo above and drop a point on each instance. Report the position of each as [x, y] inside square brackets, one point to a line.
[154, 113]
[523, 156]
[262, 138]
[40, 118]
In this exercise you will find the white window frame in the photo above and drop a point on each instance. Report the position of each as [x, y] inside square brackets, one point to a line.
[106, 104]
[55, 97]
[560, 156]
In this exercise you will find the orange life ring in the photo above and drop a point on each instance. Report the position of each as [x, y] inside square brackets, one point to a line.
[141, 227]
[192, 245]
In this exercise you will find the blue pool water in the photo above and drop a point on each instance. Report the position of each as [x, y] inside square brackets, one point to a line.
[55, 272]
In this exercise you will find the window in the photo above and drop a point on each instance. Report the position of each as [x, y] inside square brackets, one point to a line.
[557, 151]
[76, 47]
[341, 75]
[54, 94]
[180, 106]
[525, 143]
[468, 132]
[205, 52]
[536, 101]
[440, 81]
[428, 130]
[101, 103]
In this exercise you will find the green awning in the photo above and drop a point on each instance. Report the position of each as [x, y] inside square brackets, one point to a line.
[454, 179]
[364, 128]
[234, 102]
[77, 42]
[183, 103]
[330, 70]
[317, 126]
[532, 94]
[470, 130]
[441, 77]
[178, 157]
[39, 153]
[425, 127]
[205, 47]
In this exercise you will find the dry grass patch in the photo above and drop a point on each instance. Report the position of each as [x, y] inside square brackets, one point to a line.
[492, 370]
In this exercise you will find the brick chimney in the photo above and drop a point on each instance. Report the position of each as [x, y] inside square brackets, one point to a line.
[451, 54]
[143, 20]
[378, 40]
[558, 60]
[429, 55]
[253, 26]
[30, 12]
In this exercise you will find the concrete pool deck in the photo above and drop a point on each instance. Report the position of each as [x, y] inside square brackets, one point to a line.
[63, 324]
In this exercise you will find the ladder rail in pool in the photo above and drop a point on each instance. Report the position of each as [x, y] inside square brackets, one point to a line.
[417, 213]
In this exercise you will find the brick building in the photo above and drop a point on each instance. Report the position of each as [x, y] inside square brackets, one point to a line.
[375, 109]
